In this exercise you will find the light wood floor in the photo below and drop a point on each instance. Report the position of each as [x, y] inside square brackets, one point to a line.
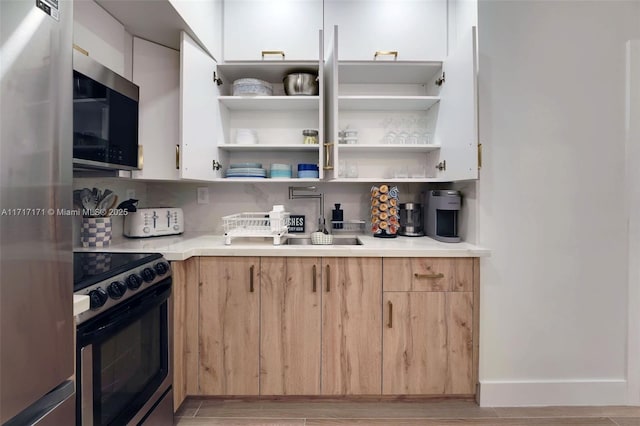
[204, 412]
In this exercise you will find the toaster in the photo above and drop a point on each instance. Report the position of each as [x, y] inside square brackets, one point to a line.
[154, 222]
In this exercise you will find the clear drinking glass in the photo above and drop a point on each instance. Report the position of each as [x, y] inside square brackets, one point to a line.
[401, 138]
[389, 137]
[352, 169]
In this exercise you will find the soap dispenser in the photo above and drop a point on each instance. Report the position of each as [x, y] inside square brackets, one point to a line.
[337, 215]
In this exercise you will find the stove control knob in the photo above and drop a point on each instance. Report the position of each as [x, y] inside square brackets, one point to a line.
[176, 227]
[116, 289]
[161, 268]
[146, 229]
[97, 298]
[148, 275]
[134, 281]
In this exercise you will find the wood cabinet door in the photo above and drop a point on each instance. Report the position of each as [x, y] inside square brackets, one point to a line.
[229, 325]
[185, 277]
[351, 326]
[290, 326]
[427, 343]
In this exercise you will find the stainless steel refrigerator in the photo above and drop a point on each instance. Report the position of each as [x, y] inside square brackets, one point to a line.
[36, 272]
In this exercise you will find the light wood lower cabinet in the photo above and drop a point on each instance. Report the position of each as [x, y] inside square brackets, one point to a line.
[427, 343]
[185, 329]
[229, 326]
[290, 326]
[325, 326]
[429, 338]
[351, 326]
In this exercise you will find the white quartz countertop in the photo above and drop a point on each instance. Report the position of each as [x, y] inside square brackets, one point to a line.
[80, 304]
[185, 246]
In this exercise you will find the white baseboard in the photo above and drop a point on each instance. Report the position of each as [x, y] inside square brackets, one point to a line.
[541, 393]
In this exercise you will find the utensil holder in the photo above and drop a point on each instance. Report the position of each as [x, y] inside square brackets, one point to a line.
[95, 231]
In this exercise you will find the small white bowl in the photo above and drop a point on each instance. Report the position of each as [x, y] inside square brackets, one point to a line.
[246, 137]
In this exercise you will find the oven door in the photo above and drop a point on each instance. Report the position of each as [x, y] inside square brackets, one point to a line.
[123, 360]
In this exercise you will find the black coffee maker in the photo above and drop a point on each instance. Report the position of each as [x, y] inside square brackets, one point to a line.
[441, 218]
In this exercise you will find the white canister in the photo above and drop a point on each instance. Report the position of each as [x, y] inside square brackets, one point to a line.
[275, 218]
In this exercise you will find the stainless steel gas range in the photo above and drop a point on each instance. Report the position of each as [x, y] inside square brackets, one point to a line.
[123, 342]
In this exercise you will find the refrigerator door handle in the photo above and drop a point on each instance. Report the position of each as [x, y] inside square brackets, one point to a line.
[37, 413]
[86, 383]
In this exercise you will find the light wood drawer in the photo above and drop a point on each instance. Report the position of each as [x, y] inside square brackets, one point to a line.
[428, 274]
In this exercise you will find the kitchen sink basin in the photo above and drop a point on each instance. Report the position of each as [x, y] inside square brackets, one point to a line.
[337, 241]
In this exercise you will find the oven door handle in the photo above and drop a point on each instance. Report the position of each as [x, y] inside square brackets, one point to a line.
[119, 318]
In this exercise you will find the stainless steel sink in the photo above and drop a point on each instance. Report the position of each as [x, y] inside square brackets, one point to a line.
[337, 241]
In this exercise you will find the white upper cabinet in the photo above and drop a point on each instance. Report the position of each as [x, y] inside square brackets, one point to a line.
[255, 26]
[199, 113]
[156, 69]
[409, 121]
[456, 129]
[415, 29]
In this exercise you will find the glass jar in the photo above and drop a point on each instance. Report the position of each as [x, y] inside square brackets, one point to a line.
[310, 137]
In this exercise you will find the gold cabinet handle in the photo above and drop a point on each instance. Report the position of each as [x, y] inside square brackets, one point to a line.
[393, 53]
[327, 156]
[328, 278]
[141, 156]
[81, 50]
[177, 157]
[390, 323]
[429, 276]
[273, 52]
[251, 279]
[314, 278]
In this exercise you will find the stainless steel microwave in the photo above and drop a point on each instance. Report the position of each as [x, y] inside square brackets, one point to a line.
[105, 117]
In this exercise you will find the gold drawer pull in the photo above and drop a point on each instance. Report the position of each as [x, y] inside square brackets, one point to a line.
[429, 276]
[393, 53]
[273, 52]
[390, 324]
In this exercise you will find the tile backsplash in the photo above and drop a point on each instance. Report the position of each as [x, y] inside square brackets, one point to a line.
[229, 198]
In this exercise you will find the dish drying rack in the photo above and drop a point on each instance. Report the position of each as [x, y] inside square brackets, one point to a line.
[348, 226]
[255, 224]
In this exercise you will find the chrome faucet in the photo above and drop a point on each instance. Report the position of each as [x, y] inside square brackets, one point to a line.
[293, 195]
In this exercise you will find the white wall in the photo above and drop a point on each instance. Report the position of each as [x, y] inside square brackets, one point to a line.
[633, 188]
[552, 122]
[102, 36]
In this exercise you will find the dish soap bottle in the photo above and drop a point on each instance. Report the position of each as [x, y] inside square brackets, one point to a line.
[337, 215]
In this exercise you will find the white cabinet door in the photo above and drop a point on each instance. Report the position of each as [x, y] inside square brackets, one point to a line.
[156, 69]
[416, 29]
[253, 26]
[331, 108]
[199, 113]
[457, 125]
[205, 20]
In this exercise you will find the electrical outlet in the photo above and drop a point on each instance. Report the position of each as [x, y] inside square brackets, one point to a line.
[131, 193]
[203, 195]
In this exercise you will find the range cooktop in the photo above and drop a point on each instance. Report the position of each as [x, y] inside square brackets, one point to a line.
[90, 267]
